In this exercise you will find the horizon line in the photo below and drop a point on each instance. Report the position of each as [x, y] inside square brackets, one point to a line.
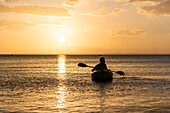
[82, 54]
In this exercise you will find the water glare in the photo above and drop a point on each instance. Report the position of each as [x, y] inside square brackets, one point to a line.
[61, 64]
[61, 89]
[55, 84]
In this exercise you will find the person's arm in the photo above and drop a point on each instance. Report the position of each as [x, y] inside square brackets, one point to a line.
[95, 68]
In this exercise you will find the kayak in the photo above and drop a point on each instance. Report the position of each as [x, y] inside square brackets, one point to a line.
[102, 76]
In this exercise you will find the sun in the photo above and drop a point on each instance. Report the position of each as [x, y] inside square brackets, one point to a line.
[61, 39]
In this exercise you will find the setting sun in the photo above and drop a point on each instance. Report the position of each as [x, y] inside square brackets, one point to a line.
[62, 39]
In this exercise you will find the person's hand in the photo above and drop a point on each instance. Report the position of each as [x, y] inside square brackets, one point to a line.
[92, 70]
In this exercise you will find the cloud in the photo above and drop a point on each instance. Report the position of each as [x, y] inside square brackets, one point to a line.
[11, 0]
[105, 13]
[35, 10]
[139, 0]
[127, 32]
[156, 8]
[71, 3]
[162, 8]
[144, 0]
[51, 23]
[117, 10]
[18, 25]
[15, 25]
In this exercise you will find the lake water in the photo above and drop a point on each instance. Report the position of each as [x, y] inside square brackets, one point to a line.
[57, 84]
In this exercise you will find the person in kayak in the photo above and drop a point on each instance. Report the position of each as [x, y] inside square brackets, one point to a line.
[101, 65]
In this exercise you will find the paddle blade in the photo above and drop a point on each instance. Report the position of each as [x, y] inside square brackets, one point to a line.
[82, 65]
[120, 72]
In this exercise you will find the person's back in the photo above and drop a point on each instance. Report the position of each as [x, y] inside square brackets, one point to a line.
[101, 65]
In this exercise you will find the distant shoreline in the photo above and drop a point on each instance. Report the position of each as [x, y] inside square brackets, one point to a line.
[85, 54]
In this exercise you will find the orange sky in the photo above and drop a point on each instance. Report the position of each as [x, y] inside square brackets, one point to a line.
[84, 27]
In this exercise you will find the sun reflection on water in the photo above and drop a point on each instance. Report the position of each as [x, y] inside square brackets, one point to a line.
[61, 89]
[61, 96]
[61, 64]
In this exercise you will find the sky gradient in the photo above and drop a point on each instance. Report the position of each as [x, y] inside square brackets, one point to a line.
[84, 26]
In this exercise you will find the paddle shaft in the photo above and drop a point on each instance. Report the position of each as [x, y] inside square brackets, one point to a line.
[93, 67]
[90, 66]
[84, 65]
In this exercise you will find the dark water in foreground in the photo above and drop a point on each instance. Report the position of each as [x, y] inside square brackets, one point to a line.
[57, 84]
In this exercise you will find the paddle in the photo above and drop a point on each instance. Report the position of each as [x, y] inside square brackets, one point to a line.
[84, 65]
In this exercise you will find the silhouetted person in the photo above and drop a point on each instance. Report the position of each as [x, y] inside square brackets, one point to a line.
[101, 65]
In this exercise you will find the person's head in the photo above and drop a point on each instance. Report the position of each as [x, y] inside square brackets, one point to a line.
[102, 60]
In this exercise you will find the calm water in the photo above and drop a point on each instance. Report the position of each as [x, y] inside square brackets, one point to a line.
[57, 84]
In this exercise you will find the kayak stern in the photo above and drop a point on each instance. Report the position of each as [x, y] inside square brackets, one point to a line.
[102, 76]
